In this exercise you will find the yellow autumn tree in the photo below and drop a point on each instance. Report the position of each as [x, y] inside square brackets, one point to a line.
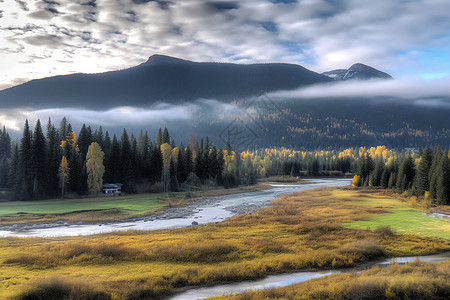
[69, 143]
[95, 168]
[230, 162]
[266, 165]
[63, 174]
[166, 151]
[175, 155]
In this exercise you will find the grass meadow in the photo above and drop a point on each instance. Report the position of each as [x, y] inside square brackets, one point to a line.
[85, 209]
[300, 231]
[101, 209]
[400, 217]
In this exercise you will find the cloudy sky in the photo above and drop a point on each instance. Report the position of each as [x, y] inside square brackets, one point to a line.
[406, 38]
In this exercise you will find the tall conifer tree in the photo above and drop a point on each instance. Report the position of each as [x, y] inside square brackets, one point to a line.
[26, 164]
[39, 158]
[422, 181]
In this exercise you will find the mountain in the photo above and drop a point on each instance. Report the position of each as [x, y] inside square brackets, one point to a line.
[357, 71]
[160, 79]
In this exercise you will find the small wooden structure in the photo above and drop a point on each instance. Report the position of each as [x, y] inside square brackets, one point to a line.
[112, 189]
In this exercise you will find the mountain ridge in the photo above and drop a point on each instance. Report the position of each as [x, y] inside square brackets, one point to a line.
[160, 79]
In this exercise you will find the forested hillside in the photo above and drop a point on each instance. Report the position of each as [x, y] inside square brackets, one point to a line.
[337, 123]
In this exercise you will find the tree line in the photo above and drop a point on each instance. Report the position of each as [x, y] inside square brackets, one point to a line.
[45, 165]
[424, 174]
[41, 166]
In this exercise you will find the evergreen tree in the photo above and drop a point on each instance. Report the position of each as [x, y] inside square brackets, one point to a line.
[126, 164]
[392, 180]
[181, 165]
[199, 167]
[106, 145]
[84, 188]
[156, 164]
[443, 180]
[159, 138]
[136, 161]
[375, 176]
[365, 166]
[112, 169]
[4, 168]
[165, 136]
[5, 144]
[434, 183]
[313, 168]
[220, 166]
[143, 145]
[39, 160]
[53, 159]
[188, 162]
[214, 167]
[14, 171]
[406, 173]
[422, 181]
[26, 164]
[173, 185]
[384, 180]
[5, 155]
[98, 137]
[435, 161]
[63, 128]
[84, 140]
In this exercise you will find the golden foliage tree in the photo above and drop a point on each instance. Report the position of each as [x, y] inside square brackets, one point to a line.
[63, 174]
[166, 151]
[95, 168]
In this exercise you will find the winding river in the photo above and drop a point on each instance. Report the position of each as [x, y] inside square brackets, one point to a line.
[291, 278]
[206, 210]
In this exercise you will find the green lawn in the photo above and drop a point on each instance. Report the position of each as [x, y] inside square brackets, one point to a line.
[134, 204]
[402, 219]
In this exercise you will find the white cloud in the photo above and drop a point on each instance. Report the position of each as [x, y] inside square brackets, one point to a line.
[404, 88]
[95, 36]
[125, 116]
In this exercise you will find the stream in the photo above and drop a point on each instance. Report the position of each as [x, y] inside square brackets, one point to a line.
[205, 210]
[281, 280]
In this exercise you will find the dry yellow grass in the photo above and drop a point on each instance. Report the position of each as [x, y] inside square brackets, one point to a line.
[299, 231]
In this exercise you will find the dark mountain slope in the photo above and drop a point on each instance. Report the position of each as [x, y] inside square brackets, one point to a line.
[161, 78]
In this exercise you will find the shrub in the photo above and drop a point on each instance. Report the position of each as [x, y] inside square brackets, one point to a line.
[356, 181]
[384, 231]
[157, 188]
[363, 249]
[191, 252]
[57, 288]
